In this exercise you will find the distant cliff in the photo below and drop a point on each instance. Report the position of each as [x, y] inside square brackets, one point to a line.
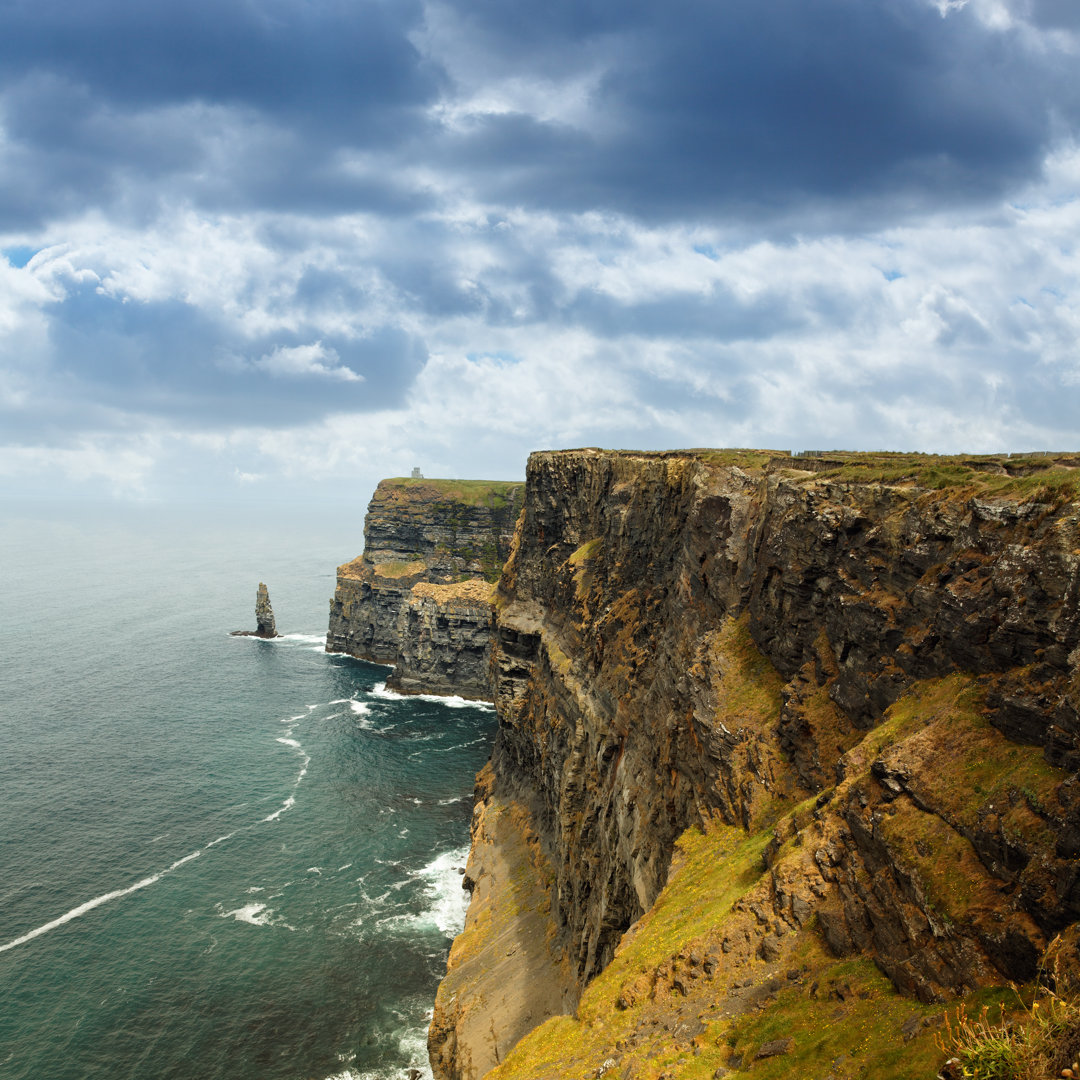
[420, 595]
[778, 739]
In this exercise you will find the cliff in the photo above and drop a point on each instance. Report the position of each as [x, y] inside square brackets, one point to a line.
[786, 759]
[420, 595]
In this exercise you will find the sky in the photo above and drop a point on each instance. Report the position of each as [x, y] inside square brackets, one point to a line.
[278, 249]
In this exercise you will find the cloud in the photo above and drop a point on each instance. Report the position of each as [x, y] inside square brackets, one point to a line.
[295, 240]
[833, 112]
[300, 361]
[845, 109]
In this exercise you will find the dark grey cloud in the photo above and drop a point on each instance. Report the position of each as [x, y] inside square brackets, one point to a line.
[760, 109]
[229, 105]
[350, 63]
[706, 109]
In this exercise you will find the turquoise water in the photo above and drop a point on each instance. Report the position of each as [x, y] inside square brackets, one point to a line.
[219, 857]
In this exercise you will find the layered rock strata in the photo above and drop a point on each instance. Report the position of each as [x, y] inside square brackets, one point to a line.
[420, 595]
[873, 666]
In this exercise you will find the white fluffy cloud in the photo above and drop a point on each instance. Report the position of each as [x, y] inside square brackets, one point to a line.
[302, 360]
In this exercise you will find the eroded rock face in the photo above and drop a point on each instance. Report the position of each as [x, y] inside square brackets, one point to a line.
[264, 614]
[678, 639]
[419, 596]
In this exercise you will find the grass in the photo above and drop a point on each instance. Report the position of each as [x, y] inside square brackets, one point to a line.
[864, 1032]
[712, 869]
[749, 687]
[493, 493]
[1045, 480]
[749, 460]
[581, 560]
[985, 769]
[1032, 1037]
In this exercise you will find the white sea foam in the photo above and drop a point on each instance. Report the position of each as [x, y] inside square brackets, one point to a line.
[453, 701]
[288, 804]
[411, 1045]
[456, 799]
[315, 870]
[361, 708]
[290, 742]
[307, 639]
[256, 914]
[82, 909]
[449, 901]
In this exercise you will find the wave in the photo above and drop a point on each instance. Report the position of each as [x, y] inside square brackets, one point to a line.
[407, 1045]
[451, 701]
[308, 639]
[448, 900]
[256, 915]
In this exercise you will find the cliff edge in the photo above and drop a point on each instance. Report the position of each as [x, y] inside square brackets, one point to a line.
[787, 758]
[420, 595]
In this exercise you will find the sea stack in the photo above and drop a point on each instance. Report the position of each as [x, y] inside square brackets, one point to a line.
[264, 617]
[264, 614]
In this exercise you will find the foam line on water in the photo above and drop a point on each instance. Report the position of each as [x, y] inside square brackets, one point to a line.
[82, 909]
[143, 883]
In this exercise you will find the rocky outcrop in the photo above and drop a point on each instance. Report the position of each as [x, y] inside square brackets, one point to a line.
[264, 617]
[701, 638]
[264, 613]
[420, 595]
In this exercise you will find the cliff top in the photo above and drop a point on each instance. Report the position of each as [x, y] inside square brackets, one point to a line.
[468, 492]
[1041, 476]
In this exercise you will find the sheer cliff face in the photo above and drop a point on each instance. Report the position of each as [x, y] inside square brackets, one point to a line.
[419, 596]
[680, 640]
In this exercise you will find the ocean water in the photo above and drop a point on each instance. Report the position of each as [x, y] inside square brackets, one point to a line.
[219, 857]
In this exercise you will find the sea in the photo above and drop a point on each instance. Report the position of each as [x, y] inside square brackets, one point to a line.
[221, 858]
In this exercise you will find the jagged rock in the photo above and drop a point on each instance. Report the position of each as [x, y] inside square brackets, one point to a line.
[774, 1048]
